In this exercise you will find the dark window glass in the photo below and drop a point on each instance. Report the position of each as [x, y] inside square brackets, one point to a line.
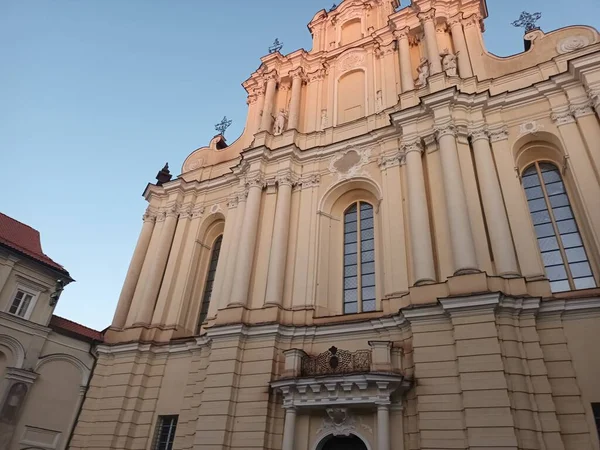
[165, 432]
[564, 257]
[359, 271]
[596, 410]
[210, 278]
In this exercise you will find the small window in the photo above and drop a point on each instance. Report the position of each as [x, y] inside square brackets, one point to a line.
[165, 432]
[21, 303]
[596, 411]
[359, 259]
[210, 279]
[565, 259]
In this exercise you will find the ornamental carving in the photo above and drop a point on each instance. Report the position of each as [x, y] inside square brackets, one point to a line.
[308, 181]
[478, 133]
[582, 109]
[530, 127]
[447, 129]
[563, 117]
[499, 134]
[389, 161]
[428, 15]
[339, 422]
[412, 146]
[194, 164]
[350, 61]
[336, 361]
[349, 163]
[572, 43]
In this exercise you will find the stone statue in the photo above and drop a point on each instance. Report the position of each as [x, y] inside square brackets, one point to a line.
[449, 63]
[379, 101]
[13, 402]
[279, 125]
[323, 119]
[423, 71]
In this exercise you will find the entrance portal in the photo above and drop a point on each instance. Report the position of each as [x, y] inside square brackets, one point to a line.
[343, 443]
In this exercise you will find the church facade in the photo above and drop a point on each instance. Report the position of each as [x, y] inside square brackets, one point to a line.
[401, 251]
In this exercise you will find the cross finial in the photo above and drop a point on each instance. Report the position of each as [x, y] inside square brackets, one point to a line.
[527, 21]
[223, 125]
[277, 45]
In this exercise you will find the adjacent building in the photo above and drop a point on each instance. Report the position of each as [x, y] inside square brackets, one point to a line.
[401, 251]
[45, 360]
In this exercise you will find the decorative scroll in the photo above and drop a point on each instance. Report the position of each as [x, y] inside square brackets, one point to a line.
[336, 361]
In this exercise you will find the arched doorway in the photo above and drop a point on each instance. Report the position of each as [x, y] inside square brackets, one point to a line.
[342, 443]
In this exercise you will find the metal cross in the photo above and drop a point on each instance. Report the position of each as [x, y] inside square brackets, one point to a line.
[276, 46]
[223, 125]
[527, 21]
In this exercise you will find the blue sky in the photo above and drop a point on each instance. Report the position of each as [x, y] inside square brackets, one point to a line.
[96, 95]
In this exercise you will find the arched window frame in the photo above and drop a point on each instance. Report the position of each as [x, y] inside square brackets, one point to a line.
[573, 252]
[211, 270]
[359, 285]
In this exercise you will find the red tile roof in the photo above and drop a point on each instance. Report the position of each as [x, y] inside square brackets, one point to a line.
[58, 324]
[25, 240]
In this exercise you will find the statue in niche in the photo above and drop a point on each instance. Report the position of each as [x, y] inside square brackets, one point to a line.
[323, 119]
[379, 101]
[12, 404]
[279, 125]
[449, 63]
[423, 71]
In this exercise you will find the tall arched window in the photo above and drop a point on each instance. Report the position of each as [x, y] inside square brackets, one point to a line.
[210, 279]
[566, 262]
[359, 260]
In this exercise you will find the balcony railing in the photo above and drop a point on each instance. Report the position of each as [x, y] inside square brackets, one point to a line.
[335, 361]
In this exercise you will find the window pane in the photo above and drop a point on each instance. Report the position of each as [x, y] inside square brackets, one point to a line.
[544, 230]
[350, 259]
[585, 283]
[210, 277]
[576, 254]
[350, 227]
[350, 248]
[350, 270]
[351, 308]
[580, 269]
[350, 237]
[571, 240]
[549, 243]
[540, 217]
[537, 205]
[350, 282]
[368, 305]
[560, 286]
[368, 293]
[367, 244]
[368, 280]
[555, 188]
[545, 166]
[165, 433]
[368, 256]
[552, 258]
[368, 267]
[551, 176]
[531, 180]
[562, 213]
[556, 273]
[367, 234]
[559, 200]
[566, 226]
[366, 211]
[350, 295]
[366, 224]
[534, 192]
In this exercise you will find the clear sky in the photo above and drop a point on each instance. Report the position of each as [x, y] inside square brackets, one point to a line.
[96, 95]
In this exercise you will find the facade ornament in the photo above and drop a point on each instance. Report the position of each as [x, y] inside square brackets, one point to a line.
[242, 195]
[455, 20]
[472, 20]
[349, 163]
[446, 129]
[479, 133]
[594, 95]
[172, 210]
[572, 43]
[271, 75]
[298, 72]
[562, 117]
[527, 21]
[582, 108]
[215, 208]
[149, 216]
[423, 71]
[197, 211]
[276, 46]
[379, 101]
[232, 202]
[449, 64]
[351, 61]
[498, 134]
[530, 127]
[255, 180]
[339, 422]
[164, 175]
[309, 181]
[317, 75]
[412, 146]
[59, 287]
[324, 122]
[391, 160]
[427, 15]
[401, 34]
[285, 178]
[279, 122]
[222, 126]
[185, 211]
[161, 216]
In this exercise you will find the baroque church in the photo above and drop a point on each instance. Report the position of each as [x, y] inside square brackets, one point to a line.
[401, 251]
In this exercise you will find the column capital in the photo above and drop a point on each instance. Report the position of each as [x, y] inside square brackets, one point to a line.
[594, 95]
[427, 15]
[498, 133]
[197, 211]
[582, 108]
[242, 195]
[478, 133]
[255, 180]
[298, 72]
[562, 117]
[390, 160]
[172, 210]
[402, 33]
[149, 216]
[455, 20]
[309, 181]
[232, 202]
[271, 75]
[445, 129]
[161, 216]
[472, 20]
[185, 211]
[412, 146]
[285, 178]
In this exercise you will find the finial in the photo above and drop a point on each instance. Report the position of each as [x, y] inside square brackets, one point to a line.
[277, 45]
[163, 176]
[333, 7]
[223, 125]
[527, 21]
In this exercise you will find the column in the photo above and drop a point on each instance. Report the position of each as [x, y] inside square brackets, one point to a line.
[418, 217]
[294, 114]
[525, 240]
[594, 95]
[460, 47]
[224, 300]
[406, 77]
[433, 54]
[461, 237]
[383, 427]
[144, 315]
[590, 130]
[266, 119]
[279, 244]
[243, 266]
[289, 429]
[133, 273]
[493, 205]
